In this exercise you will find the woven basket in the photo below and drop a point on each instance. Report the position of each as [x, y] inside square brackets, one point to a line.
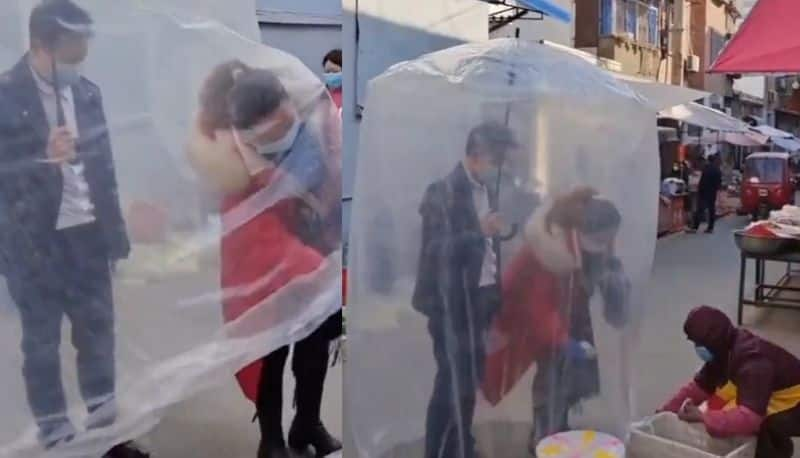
[666, 436]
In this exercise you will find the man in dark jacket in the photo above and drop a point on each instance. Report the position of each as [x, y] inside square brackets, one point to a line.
[457, 285]
[707, 190]
[60, 220]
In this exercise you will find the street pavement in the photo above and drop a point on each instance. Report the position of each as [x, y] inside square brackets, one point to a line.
[217, 424]
[689, 269]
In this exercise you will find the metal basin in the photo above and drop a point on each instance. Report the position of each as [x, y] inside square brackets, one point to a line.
[763, 246]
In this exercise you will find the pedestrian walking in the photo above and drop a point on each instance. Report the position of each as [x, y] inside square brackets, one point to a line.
[707, 192]
[62, 225]
[751, 385]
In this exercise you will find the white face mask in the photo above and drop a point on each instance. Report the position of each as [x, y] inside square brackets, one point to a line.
[67, 74]
[595, 244]
[283, 144]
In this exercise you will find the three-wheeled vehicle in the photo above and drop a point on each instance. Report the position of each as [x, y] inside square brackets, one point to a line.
[768, 184]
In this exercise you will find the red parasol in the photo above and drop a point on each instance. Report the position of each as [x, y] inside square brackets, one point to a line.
[768, 41]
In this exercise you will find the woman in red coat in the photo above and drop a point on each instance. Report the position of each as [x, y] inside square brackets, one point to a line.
[252, 144]
[545, 317]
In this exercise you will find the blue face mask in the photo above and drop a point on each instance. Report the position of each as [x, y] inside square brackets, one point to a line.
[333, 80]
[704, 353]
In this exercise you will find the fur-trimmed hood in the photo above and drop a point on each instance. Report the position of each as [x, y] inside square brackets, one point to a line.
[218, 162]
[552, 249]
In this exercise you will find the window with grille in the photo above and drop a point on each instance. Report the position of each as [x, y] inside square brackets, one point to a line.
[634, 19]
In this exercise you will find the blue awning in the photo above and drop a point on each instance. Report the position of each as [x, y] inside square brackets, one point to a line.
[549, 8]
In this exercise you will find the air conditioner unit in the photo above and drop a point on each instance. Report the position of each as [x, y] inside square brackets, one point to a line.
[693, 63]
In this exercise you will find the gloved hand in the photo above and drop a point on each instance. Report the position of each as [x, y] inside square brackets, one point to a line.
[575, 350]
[615, 288]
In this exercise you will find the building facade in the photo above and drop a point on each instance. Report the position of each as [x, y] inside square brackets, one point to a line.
[307, 29]
[713, 22]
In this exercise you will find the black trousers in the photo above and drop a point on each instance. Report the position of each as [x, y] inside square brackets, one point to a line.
[460, 352]
[705, 204]
[72, 279]
[777, 431]
[310, 366]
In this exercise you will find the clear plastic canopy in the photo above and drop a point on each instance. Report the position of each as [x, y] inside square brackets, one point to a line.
[549, 339]
[189, 310]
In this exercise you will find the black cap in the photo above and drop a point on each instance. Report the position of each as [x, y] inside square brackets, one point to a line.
[491, 137]
[53, 20]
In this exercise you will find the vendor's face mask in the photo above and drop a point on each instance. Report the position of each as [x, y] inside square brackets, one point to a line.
[704, 353]
[333, 80]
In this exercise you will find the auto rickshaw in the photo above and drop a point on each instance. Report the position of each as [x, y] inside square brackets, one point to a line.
[768, 184]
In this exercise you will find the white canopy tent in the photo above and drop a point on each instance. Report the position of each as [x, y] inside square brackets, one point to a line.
[658, 95]
[703, 116]
[791, 145]
[780, 138]
[747, 139]
[773, 132]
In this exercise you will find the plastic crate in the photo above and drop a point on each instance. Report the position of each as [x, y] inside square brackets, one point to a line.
[666, 436]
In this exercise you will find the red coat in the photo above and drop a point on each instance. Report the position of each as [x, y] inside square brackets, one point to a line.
[336, 95]
[530, 323]
[250, 255]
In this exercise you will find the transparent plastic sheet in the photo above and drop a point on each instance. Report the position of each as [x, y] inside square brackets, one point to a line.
[416, 295]
[170, 337]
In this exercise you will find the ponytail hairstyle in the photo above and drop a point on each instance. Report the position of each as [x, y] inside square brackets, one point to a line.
[214, 107]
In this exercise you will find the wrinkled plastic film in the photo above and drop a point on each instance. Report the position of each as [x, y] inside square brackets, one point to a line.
[575, 126]
[181, 322]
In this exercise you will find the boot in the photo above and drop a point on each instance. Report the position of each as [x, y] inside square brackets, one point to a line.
[126, 450]
[272, 450]
[301, 437]
[270, 406]
[56, 432]
[310, 365]
[272, 443]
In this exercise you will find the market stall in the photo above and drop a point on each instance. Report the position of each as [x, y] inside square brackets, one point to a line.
[718, 128]
[774, 241]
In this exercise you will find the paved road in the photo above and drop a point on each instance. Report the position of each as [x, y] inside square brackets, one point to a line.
[152, 324]
[689, 270]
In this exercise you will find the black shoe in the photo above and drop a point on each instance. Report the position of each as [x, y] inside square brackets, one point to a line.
[267, 450]
[314, 436]
[709, 231]
[126, 450]
[53, 434]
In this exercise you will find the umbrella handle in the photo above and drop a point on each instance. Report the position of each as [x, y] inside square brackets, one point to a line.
[511, 234]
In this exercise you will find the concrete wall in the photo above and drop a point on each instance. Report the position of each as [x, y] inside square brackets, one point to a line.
[710, 23]
[391, 32]
[306, 28]
[636, 59]
[309, 42]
